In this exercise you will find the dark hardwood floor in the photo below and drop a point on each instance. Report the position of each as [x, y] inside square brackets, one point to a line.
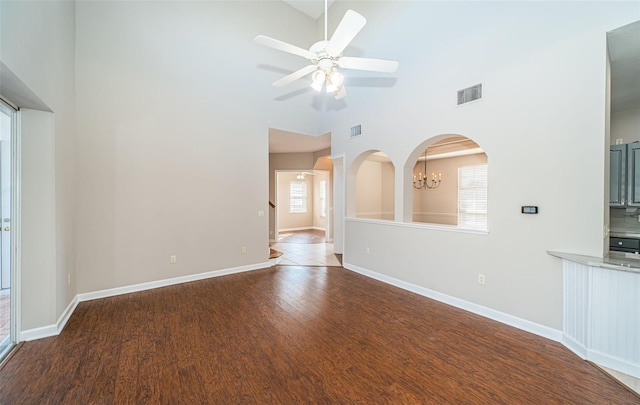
[291, 335]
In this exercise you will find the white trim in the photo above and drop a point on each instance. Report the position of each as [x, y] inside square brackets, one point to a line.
[64, 317]
[600, 358]
[441, 214]
[53, 330]
[39, 333]
[507, 319]
[448, 228]
[167, 282]
[376, 215]
[613, 362]
[16, 228]
[301, 228]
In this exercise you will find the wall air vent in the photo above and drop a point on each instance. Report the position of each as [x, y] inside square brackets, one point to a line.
[470, 94]
[356, 131]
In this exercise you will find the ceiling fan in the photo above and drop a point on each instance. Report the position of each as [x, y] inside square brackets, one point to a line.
[326, 56]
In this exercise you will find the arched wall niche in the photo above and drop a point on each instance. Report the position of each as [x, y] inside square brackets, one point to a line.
[371, 187]
[444, 199]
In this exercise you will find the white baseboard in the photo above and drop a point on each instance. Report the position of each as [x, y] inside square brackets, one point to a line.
[602, 359]
[38, 333]
[615, 363]
[53, 330]
[167, 282]
[50, 330]
[507, 319]
[302, 228]
[64, 318]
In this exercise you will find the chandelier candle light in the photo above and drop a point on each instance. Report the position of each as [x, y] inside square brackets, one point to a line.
[423, 182]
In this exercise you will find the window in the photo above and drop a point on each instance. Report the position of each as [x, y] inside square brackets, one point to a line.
[323, 198]
[472, 197]
[297, 196]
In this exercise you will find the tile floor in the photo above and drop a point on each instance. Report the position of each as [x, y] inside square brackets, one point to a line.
[305, 248]
[308, 254]
[631, 382]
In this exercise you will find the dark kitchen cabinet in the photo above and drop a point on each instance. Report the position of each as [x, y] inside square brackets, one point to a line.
[624, 184]
[618, 181]
[633, 174]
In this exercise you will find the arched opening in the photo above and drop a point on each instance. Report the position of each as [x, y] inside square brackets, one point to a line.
[449, 179]
[373, 174]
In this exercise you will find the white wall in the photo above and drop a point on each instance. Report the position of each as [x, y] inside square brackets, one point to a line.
[38, 221]
[38, 46]
[174, 105]
[625, 125]
[542, 66]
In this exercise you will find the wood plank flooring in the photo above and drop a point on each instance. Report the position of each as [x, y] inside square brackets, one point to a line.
[292, 335]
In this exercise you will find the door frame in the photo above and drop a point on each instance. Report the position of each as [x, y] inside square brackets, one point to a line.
[15, 226]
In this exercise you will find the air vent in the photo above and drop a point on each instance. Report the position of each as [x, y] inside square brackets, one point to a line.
[356, 131]
[470, 94]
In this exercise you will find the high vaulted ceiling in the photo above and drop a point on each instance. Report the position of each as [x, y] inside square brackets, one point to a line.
[290, 142]
[312, 8]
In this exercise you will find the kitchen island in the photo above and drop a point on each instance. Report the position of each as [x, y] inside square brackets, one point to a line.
[601, 309]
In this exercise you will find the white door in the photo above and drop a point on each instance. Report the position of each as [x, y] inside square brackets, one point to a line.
[6, 116]
[7, 296]
[5, 213]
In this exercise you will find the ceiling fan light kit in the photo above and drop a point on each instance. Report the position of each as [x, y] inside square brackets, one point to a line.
[326, 56]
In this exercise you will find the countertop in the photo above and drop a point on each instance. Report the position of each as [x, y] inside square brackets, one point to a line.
[625, 234]
[620, 261]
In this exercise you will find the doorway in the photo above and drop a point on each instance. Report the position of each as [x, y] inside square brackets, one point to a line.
[302, 218]
[7, 279]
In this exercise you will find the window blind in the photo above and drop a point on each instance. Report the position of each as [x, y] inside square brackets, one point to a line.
[472, 197]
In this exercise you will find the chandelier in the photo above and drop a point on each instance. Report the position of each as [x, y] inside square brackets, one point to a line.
[423, 181]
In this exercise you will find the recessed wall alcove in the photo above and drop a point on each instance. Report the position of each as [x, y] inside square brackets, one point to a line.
[371, 184]
[454, 168]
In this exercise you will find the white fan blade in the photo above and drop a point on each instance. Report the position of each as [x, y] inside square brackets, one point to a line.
[374, 65]
[348, 28]
[295, 75]
[283, 46]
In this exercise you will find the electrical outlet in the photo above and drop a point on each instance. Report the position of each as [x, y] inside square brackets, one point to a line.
[619, 141]
[173, 259]
[68, 278]
[368, 251]
[243, 250]
[481, 278]
[261, 213]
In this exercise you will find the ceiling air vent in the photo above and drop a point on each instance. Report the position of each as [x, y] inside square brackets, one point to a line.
[356, 131]
[470, 94]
